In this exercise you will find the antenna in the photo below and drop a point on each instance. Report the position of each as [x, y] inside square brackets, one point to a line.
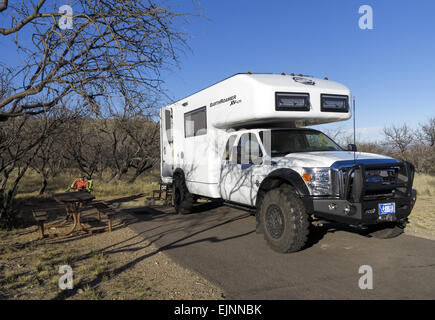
[354, 132]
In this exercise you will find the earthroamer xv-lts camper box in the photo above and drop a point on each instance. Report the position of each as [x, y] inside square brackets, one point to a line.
[242, 140]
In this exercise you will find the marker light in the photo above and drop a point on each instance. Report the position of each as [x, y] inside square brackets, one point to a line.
[306, 177]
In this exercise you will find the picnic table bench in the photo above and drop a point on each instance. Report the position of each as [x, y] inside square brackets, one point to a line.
[40, 216]
[105, 210]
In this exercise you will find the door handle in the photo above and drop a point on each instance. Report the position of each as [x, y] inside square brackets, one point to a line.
[246, 166]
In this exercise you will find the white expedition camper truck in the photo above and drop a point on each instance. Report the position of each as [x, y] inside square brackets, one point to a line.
[240, 140]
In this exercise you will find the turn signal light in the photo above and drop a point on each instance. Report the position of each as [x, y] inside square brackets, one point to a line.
[306, 177]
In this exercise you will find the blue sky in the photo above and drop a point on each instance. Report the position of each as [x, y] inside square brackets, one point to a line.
[390, 69]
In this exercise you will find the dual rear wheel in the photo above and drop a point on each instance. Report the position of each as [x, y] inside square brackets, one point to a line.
[181, 197]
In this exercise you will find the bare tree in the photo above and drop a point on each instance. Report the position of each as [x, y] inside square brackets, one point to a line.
[399, 137]
[48, 161]
[114, 49]
[134, 145]
[83, 145]
[144, 136]
[110, 41]
[22, 139]
[427, 131]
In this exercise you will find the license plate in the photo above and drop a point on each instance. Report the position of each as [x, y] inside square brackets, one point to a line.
[387, 208]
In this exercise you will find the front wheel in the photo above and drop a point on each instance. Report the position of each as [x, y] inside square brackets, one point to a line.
[284, 220]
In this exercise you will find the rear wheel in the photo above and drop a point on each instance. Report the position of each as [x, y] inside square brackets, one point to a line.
[182, 198]
[284, 220]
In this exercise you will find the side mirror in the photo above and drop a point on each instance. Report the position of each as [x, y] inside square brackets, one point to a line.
[351, 147]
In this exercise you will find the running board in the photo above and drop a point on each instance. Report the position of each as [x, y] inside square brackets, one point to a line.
[238, 206]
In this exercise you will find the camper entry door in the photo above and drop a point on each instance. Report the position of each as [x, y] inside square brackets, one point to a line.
[167, 143]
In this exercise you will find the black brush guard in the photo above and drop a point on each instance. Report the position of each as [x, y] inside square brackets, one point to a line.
[357, 189]
[359, 197]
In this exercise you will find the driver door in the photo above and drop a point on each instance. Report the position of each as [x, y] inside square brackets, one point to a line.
[238, 183]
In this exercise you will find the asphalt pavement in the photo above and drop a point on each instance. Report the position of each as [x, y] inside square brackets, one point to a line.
[220, 243]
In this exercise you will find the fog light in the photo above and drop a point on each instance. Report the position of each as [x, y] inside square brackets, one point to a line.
[332, 206]
[349, 210]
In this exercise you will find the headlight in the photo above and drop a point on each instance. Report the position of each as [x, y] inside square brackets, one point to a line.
[318, 181]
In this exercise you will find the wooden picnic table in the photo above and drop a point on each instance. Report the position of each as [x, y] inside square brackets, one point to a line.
[73, 202]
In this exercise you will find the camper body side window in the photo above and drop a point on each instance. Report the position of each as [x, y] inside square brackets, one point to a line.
[168, 125]
[195, 122]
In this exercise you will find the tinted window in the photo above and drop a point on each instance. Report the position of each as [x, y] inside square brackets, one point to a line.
[228, 146]
[292, 101]
[334, 103]
[250, 150]
[284, 142]
[195, 122]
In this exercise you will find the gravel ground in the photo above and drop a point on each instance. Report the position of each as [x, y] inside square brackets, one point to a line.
[116, 265]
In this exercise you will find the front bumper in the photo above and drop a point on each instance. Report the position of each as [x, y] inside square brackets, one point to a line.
[364, 213]
[358, 200]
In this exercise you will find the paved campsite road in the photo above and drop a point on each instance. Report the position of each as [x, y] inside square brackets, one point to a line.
[221, 244]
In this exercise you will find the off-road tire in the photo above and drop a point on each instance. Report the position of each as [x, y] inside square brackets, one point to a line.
[284, 220]
[386, 232]
[182, 198]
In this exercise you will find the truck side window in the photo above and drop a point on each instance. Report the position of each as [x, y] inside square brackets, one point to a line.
[250, 150]
[229, 145]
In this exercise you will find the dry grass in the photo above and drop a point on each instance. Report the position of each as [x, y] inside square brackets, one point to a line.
[425, 185]
[422, 218]
[116, 265]
[31, 183]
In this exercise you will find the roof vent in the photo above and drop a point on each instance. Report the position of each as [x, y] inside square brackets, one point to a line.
[304, 80]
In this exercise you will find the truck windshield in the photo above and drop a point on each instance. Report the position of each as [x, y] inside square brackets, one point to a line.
[283, 142]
